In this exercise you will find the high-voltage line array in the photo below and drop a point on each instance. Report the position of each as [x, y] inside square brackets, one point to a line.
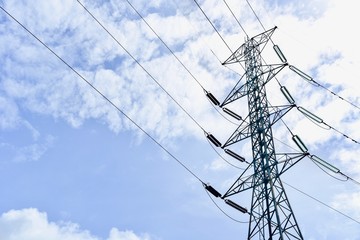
[271, 215]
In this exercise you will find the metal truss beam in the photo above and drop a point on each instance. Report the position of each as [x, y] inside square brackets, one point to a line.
[271, 216]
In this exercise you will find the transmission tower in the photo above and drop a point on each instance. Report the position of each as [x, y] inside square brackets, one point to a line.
[271, 216]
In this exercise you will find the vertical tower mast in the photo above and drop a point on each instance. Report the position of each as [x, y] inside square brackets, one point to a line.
[271, 216]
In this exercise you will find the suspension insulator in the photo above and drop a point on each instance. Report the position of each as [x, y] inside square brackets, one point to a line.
[310, 115]
[299, 143]
[234, 155]
[212, 98]
[212, 190]
[279, 53]
[212, 139]
[231, 113]
[287, 95]
[301, 73]
[325, 164]
[236, 206]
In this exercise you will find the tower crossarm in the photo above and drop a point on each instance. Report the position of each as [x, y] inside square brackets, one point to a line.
[242, 183]
[244, 129]
[259, 40]
[288, 160]
[237, 56]
[241, 90]
[270, 71]
[246, 180]
[277, 112]
[241, 133]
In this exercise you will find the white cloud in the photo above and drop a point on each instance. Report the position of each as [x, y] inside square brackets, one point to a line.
[31, 224]
[44, 85]
[115, 234]
[61, 93]
[348, 203]
[34, 132]
[316, 36]
[33, 152]
[218, 164]
[9, 113]
[349, 158]
[167, 32]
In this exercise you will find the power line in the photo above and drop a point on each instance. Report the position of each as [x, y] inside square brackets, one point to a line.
[151, 75]
[311, 117]
[326, 205]
[232, 13]
[107, 99]
[318, 165]
[171, 51]
[337, 95]
[284, 123]
[203, 88]
[315, 199]
[233, 165]
[221, 210]
[208, 19]
[102, 95]
[329, 127]
[317, 120]
[256, 15]
[143, 68]
[317, 84]
[183, 65]
[312, 80]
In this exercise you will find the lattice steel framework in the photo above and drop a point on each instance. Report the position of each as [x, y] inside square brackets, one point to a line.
[271, 216]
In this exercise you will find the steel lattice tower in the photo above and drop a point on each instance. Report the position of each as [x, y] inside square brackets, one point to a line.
[271, 216]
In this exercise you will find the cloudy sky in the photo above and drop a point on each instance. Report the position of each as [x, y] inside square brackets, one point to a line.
[72, 166]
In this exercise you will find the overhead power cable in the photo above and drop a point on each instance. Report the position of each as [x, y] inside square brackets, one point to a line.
[257, 17]
[115, 106]
[208, 94]
[171, 51]
[348, 178]
[142, 67]
[252, 9]
[223, 158]
[337, 95]
[336, 130]
[309, 79]
[317, 120]
[213, 26]
[326, 205]
[137, 125]
[316, 160]
[326, 172]
[232, 13]
[102, 95]
[312, 117]
[221, 210]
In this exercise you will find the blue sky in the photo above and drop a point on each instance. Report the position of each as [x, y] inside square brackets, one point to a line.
[73, 167]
